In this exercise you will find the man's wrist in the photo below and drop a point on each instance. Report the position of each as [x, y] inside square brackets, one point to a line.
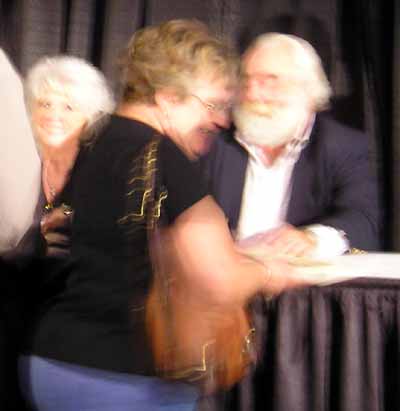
[329, 241]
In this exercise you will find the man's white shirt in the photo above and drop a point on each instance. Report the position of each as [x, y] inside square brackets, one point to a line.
[266, 196]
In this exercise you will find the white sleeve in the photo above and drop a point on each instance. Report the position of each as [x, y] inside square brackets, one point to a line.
[329, 241]
[19, 161]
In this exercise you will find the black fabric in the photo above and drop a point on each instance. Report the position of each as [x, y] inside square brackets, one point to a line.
[92, 312]
[333, 182]
[12, 306]
[328, 348]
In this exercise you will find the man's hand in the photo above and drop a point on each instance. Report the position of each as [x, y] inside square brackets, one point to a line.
[283, 241]
[291, 241]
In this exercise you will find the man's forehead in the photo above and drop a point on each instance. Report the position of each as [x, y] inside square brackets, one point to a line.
[269, 60]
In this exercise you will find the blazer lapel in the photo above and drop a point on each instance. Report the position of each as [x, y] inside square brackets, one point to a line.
[300, 179]
[234, 163]
[303, 196]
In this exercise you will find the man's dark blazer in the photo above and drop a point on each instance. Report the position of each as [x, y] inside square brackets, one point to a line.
[333, 182]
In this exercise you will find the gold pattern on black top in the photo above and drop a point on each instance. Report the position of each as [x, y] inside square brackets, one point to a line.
[144, 199]
[354, 250]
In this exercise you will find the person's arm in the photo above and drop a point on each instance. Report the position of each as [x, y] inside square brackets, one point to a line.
[19, 161]
[317, 241]
[354, 209]
[210, 262]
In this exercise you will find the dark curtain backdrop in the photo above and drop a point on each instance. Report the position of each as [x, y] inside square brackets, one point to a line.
[359, 41]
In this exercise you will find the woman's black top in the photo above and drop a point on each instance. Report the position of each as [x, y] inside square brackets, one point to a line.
[92, 308]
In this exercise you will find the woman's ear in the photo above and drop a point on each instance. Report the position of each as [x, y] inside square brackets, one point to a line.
[165, 98]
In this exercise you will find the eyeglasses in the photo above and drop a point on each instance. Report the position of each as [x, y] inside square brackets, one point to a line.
[214, 107]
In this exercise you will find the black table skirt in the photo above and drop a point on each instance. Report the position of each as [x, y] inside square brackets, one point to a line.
[327, 348]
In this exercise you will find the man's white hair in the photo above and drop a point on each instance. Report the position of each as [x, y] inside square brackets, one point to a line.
[307, 64]
[79, 80]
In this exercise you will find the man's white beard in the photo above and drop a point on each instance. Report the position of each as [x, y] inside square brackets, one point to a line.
[269, 125]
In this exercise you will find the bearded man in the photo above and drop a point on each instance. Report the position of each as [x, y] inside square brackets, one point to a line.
[293, 178]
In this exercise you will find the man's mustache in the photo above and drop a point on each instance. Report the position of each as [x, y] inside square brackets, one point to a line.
[264, 109]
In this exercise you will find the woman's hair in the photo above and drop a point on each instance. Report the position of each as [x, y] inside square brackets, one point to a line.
[83, 84]
[170, 56]
[307, 65]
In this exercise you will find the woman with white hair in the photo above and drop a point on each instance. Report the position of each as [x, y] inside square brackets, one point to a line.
[66, 98]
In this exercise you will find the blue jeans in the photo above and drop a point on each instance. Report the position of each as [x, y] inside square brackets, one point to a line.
[50, 385]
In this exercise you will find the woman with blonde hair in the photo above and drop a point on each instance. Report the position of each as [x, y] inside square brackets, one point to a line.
[89, 346]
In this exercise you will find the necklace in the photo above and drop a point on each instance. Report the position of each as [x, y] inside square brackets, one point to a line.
[52, 191]
[49, 189]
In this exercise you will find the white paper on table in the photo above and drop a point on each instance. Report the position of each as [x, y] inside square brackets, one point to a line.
[340, 268]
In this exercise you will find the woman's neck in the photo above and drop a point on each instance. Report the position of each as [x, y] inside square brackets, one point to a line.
[57, 162]
[62, 155]
[155, 117]
[148, 114]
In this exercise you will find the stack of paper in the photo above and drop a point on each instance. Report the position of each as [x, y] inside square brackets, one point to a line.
[340, 268]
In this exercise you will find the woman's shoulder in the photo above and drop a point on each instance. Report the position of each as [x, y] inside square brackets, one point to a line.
[118, 138]
[121, 130]
[182, 179]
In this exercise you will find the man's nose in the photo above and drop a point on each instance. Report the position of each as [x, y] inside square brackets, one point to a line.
[56, 112]
[260, 90]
